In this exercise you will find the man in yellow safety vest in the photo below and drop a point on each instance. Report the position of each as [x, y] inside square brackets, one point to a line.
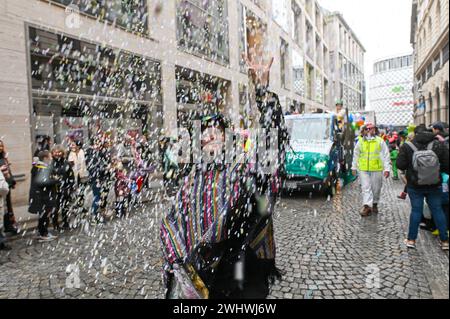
[371, 158]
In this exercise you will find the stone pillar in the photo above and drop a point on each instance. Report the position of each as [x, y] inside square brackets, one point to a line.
[444, 104]
[232, 100]
[429, 111]
[168, 84]
[163, 28]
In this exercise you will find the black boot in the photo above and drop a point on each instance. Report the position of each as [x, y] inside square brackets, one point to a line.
[8, 223]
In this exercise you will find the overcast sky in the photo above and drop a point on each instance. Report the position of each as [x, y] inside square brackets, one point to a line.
[382, 26]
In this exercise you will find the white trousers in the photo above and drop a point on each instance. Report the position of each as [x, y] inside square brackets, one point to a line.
[371, 183]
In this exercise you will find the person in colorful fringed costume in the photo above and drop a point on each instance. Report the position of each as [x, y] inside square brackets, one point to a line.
[217, 238]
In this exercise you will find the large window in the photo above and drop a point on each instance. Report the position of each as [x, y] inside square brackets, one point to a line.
[309, 81]
[297, 24]
[202, 28]
[317, 129]
[429, 71]
[79, 86]
[251, 35]
[445, 54]
[298, 72]
[309, 40]
[131, 15]
[280, 10]
[199, 94]
[319, 51]
[284, 63]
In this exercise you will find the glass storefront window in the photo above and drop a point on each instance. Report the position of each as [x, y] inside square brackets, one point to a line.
[77, 83]
[131, 15]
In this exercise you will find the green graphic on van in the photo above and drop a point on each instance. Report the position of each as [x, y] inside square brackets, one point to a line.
[307, 164]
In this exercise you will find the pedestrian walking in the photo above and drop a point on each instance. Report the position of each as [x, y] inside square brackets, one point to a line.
[393, 151]
[98, 159]
[372, 160]
[77, 160]
[171, 167]
[64, 174]
[122, 189]
[424, 160]
[9, 220]
[4, 190]
[43, 194]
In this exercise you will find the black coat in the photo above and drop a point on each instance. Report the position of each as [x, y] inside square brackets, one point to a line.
[42, 189]
[98, 164]
[63, 172]
[421, 141]
[272, 118]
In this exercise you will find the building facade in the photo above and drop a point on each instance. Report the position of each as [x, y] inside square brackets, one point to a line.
[132, 67]
[430, 40]
[347, 63]
[391, 91]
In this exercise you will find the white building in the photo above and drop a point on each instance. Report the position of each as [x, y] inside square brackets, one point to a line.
[429, 38]
[391, 91]
[346, 63]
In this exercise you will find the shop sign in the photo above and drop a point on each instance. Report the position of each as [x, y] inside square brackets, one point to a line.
[403, 103]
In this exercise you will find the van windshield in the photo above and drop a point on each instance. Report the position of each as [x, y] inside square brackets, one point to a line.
[309, 129]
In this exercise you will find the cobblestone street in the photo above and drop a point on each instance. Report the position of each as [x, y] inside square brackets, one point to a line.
[325, 249]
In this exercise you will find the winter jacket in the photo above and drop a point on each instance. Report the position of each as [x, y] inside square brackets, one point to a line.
[64, 173]
[43, 188]
[98, 165]
[79, 167]
[405, 158]
[443, 137]
[122, 183]
[271, 117]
